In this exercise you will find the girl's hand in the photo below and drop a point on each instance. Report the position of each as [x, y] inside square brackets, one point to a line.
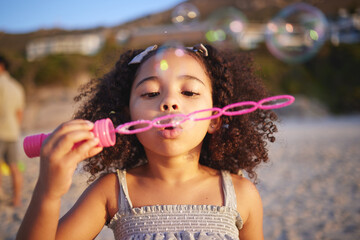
[69, 144]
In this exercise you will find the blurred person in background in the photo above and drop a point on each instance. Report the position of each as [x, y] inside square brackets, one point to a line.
[12, 103]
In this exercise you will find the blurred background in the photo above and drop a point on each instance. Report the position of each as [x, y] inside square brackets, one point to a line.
[309, 49]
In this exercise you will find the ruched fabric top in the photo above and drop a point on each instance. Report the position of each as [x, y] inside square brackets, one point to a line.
[185, 222]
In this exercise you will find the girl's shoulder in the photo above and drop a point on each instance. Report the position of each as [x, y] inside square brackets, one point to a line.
[108, 187]
[107, 181]
[242, 184]
[247, 196]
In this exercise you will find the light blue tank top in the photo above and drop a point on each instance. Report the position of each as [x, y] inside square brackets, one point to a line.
[188, 222]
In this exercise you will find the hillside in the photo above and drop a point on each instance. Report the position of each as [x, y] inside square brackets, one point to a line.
[328, 77]
[255, 10]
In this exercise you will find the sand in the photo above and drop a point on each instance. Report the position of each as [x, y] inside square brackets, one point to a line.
[310, 188]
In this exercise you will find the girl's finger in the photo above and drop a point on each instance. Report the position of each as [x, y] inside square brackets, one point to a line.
[73, 125]
[85, 149]
[63, 144]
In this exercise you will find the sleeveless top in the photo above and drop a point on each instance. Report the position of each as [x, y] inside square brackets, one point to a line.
[183, 222]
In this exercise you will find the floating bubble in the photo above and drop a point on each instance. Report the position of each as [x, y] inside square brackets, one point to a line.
[296, 33]
[226, 26]
[162, 65]
[185, 15]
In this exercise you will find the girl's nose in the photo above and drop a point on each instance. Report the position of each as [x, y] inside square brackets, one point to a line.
[169, 107]
[169, 101]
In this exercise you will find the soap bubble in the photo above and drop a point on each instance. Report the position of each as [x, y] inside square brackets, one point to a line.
[296, 33]
[185, 15]
[162, 65]
[226, 26]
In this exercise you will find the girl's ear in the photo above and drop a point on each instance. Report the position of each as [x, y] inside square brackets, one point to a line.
[215, 124]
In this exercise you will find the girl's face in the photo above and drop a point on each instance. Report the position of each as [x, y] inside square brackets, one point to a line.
[181, 87]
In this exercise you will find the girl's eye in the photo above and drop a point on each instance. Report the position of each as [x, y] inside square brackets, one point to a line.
[150, 94]
[189, 93]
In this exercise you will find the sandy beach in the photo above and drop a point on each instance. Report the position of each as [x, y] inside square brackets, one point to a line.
[310, 188]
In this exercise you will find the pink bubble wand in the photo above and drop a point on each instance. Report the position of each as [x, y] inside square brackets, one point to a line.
[105, 131]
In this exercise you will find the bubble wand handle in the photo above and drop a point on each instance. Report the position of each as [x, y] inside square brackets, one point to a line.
[103, 129]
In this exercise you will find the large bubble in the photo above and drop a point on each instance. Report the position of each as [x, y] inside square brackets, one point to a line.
[162, 65]
[296, 33]
[185, 14]
[226, 26]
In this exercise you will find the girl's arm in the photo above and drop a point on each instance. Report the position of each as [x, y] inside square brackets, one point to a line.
[250, 208]
[90, 213]
[58, 161]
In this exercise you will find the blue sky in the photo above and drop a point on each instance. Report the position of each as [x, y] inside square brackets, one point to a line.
[21, 16]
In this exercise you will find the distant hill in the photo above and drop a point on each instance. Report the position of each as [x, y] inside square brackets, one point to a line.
[255, 10]
[328, 77]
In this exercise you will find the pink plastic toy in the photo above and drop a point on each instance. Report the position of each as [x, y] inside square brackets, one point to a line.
[253, 107]
[272, 104]
[104, 128]
[32, 144]
[234, 109]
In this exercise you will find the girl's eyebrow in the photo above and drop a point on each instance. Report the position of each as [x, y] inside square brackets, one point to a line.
[145, 79]
[191, 78]
[181, 77]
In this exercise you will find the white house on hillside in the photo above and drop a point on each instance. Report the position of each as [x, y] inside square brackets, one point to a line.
[86, 44]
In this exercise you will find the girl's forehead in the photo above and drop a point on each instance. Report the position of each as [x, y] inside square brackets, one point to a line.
[172, 60]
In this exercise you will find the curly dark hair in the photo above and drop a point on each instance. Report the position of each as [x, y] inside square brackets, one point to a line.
[241, 144]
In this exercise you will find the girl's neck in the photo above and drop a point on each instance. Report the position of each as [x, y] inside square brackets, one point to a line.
[173, 170]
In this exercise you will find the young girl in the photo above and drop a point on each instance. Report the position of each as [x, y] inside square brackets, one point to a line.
[164, 183]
